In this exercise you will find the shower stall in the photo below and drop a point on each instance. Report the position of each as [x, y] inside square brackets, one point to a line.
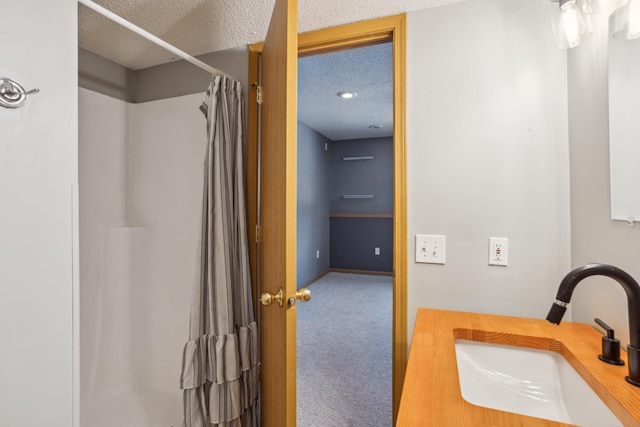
[141, 173]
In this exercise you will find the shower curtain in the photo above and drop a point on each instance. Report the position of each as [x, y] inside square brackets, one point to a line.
[220, 360]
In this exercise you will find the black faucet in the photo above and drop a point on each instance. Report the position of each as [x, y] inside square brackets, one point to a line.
[632, 290]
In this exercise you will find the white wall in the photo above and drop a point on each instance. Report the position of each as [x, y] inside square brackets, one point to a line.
[38, 170]
[595, 237]
[141, 171]
[487, 151]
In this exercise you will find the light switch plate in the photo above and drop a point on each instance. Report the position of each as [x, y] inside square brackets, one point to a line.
[431, 249]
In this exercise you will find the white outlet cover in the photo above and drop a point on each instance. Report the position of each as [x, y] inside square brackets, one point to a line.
[431, 249]
[498, 251]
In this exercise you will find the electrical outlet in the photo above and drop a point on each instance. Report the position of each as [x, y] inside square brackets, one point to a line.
[431, 249]
[498, 251]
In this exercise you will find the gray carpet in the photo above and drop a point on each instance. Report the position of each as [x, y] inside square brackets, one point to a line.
[344, 352]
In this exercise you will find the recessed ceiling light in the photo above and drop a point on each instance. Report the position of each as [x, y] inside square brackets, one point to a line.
[347, 95]
[375, 126]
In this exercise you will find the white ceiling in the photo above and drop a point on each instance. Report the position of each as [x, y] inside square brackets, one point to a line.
[204, 26]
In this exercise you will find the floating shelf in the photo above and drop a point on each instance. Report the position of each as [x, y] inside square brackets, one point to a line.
[357, 196]
[352, 158]
[360, 215]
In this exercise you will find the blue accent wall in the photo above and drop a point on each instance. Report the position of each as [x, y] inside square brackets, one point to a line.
[313, 204]
[323, 177]
[353, 239]
[362, 176]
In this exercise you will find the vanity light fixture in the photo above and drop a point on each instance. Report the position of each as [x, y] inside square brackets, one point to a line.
[625, 21]
[346, 94]
[569, 24]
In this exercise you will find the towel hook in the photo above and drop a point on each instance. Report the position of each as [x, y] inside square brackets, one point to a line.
[12, 94]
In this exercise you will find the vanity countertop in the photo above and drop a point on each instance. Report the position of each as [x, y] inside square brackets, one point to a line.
[431, 391]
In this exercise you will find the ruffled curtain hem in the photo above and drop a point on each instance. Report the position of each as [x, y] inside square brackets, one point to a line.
[249, 418]
[221, 373]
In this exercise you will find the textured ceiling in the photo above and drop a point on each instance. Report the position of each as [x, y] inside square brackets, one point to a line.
[368, 72]
[203, 26]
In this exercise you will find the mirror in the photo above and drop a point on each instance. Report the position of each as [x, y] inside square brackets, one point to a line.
[624, 128]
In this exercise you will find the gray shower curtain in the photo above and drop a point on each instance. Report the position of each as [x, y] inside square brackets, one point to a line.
[220, 360]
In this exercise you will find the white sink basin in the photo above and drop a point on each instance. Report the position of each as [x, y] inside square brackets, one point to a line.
[531, 382]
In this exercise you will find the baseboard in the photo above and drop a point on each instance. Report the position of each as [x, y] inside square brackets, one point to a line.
[310, 281]
[373, 273]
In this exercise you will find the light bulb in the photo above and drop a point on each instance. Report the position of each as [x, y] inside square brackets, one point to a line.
[570, 23]
[346, 94]
[591, 6]
[567, 4]
[634, 19]
[626, 21]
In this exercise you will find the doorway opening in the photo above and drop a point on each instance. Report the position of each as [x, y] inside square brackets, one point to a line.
[279, 388]
[345, 226]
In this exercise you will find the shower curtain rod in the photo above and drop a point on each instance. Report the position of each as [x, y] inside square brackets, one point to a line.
[147, 35]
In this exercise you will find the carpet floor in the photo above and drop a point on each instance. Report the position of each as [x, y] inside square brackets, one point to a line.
[344, 352]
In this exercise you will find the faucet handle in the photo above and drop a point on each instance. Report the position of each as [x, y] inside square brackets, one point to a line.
[610, 332]
[610, 345]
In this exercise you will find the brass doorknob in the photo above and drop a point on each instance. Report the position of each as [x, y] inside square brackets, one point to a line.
[303, 295]
[268, 298]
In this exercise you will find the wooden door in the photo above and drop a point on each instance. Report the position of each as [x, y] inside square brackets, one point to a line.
[278, 215]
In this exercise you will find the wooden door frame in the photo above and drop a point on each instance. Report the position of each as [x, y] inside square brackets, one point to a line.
[389, 29]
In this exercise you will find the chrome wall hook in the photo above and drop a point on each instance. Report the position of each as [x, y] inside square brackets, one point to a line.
[12, 94]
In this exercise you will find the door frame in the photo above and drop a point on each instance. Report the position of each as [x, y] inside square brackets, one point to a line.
[389, 29]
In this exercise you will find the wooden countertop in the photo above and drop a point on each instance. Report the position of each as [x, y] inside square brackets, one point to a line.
[431, 391]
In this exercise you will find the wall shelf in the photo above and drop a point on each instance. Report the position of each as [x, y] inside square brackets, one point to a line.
[354, 158]
[359, 215]
[358, 196]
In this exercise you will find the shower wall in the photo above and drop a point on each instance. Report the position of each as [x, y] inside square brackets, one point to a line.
[141, 170]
